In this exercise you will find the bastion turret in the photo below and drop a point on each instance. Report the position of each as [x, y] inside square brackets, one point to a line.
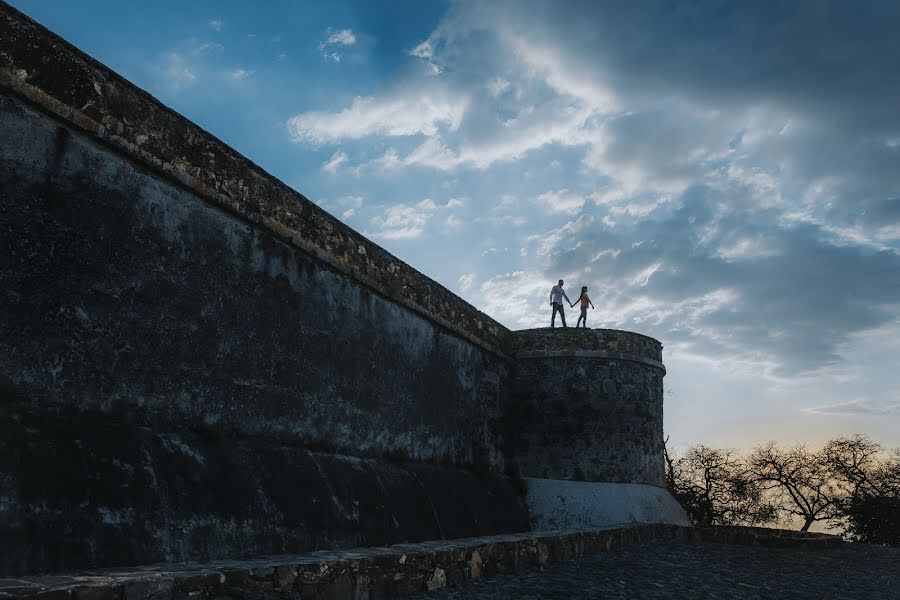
[584, 423]
[588, 405]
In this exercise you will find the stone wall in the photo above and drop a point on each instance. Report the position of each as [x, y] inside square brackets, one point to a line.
[128, 299]
[81, 490]
[586, 405]
[129, 295]
[196, 362]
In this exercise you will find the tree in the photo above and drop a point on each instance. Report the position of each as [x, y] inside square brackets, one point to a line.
[799, 481]
[870, 508]
[714, 488]
[853, 463]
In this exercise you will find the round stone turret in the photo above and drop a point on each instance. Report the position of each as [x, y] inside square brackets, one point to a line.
[587, 405]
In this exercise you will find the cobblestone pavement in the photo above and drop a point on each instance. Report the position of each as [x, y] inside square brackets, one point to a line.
[694, 570]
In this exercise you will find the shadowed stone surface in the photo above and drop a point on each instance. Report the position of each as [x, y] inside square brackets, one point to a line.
[85, 491]
[587, 405]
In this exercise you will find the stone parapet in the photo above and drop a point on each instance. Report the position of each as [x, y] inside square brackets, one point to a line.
[547, 341]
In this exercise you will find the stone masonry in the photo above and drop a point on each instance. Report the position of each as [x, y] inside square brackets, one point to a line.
[172, 390]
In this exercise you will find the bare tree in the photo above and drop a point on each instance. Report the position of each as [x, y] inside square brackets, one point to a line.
[714, 488]
[854, 464]
[869, 509]
[799, 481]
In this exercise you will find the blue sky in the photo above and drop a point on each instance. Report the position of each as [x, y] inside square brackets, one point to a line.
[725, 178]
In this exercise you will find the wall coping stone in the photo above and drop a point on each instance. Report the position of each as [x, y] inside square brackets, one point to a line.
[60, 79]
[591, 354]
[376, 572]
[524, 342]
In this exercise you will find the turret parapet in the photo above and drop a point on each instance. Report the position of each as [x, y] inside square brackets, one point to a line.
[550, 342]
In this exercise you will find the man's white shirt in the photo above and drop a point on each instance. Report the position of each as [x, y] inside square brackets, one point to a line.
[557, 294]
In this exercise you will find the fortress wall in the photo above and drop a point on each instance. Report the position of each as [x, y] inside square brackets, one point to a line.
[127, 294]
[197, 363]
[152, 269]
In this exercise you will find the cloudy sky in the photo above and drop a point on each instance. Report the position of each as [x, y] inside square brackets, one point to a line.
[724, 178]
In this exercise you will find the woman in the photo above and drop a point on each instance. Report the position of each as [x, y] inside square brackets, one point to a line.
[585, 301]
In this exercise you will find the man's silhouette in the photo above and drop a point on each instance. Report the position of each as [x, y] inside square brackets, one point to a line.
[556, 296]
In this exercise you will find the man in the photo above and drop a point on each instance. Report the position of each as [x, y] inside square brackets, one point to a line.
[556, 296]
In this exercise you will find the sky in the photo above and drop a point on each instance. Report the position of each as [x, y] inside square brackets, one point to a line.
[724, 177]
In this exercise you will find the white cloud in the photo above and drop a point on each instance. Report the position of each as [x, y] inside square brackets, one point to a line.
[344, 37]
[465, 281]
[403, 221]
[208, 48]
[424, 51]
[520, 298]
[176, 72]
[400, 116]
[216, 24]
[331, 47]
[453, 222]
[496, 86]
[346, 206]
[562, 201]
[239, 74]
[336, 160]
[551, 242]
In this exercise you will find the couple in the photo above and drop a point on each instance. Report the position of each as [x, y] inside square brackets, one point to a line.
[556, 296]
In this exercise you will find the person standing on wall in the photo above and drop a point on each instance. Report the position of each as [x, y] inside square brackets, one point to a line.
[556, 296]
[585, 301]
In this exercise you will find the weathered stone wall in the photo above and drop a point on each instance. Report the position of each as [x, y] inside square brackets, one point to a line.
[81, 490]
[586, 405]
[127, 294]
[190, 351]
[166, 320]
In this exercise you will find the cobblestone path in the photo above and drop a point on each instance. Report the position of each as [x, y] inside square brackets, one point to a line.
[694, 570]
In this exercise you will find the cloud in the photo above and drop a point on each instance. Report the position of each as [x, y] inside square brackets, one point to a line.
[403, 221]
[727, 180]
[216, 24]
[519, 298]
[857, 406]
[334, 43]
[465, 281]
[562, 201]
[176, 72]
[346, 206]
[239, 74]
[400, 116]
[453, 222]
[336, 160]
